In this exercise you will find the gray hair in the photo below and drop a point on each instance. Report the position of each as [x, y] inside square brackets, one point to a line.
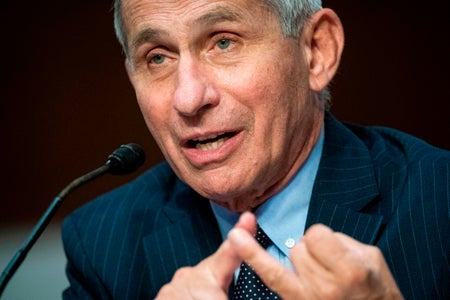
[292, 15]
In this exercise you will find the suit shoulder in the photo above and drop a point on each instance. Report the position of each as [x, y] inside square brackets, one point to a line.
[388, 145]
[153, 181]
[404, 164]
[136, 202]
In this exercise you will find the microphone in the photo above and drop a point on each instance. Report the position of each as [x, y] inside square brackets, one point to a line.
[125, 159]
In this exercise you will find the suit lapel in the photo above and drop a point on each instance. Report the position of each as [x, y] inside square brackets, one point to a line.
[189, 234]
[345, 184]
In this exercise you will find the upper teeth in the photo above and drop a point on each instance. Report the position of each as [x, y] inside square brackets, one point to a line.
[208, 137]
[211, 145]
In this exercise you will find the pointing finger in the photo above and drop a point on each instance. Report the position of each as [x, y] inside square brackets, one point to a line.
[223, 263]
[226, 260]
[247, 221]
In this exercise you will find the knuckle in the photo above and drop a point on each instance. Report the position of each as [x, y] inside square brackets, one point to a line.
[274, 277]
[182, 273]
[316, 233]
[355, 277]
[376, 255]
[365, 267]
[360, 274]
[167, 291]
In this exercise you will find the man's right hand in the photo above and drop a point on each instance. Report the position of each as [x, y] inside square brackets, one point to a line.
[211, 278]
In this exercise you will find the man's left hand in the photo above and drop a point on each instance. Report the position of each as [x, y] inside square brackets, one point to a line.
[327, 265]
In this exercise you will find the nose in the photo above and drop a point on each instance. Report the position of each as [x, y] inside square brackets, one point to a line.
[195, 90]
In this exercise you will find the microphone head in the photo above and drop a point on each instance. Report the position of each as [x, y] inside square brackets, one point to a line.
[126, 159]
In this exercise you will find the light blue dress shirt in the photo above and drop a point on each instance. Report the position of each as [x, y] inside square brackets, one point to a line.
[282, 217]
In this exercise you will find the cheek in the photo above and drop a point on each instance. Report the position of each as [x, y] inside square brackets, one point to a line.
[267, 84]
[269, 97]
[155, 113]
[279, 106]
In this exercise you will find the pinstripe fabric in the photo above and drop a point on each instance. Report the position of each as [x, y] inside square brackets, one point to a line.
[125, 245]
[377, 185]
[389, 189]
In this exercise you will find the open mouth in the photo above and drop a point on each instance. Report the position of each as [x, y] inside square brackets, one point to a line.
[210, 142]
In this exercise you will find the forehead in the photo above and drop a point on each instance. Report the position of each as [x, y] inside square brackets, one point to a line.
[179, 8]
[139, 14]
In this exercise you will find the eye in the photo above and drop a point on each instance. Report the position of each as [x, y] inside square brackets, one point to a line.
[157, 59]
[223, 43]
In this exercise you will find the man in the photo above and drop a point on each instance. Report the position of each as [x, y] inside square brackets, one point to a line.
[235, 94]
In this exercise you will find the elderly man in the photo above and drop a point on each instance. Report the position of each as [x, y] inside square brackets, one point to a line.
[235, 94]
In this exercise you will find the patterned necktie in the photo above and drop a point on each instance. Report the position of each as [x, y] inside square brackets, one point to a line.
[248, 284]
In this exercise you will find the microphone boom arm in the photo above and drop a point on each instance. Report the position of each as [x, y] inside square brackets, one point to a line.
[125, 159]
[43, 222]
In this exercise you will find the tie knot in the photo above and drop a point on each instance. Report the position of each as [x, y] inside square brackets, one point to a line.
[262, 238]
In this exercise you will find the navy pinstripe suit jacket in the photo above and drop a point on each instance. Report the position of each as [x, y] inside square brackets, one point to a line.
[377, 185]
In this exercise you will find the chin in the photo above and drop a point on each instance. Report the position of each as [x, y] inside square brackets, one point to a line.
[238, 201]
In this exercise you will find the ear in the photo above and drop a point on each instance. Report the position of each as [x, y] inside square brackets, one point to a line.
[324, 41]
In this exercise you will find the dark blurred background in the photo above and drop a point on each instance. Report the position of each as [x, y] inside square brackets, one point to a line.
[67, 102]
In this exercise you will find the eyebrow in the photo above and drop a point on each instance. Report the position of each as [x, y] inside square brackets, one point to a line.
[219, 15]
[148, 34]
